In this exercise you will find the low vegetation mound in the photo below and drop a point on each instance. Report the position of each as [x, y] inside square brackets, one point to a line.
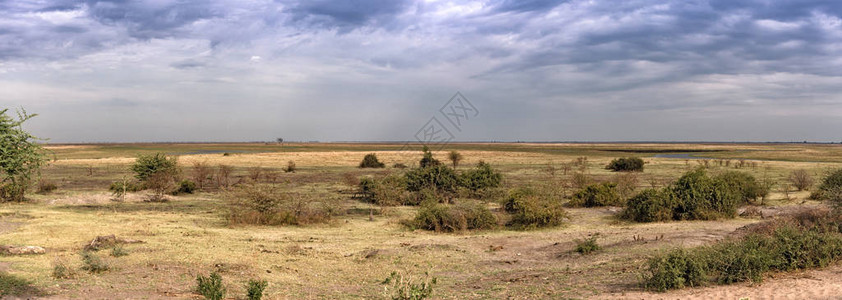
[831, 187]
[626, 164]
[450, 218]
[268, 205]
[370, 161]
[598, 194]
[798, 243]
[480, 178]
[694, 196]
[529, 211]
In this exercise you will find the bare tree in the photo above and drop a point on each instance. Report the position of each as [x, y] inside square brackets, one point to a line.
[801, 179]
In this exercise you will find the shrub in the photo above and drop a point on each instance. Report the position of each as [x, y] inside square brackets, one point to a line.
[120, 188]
[210, 287]
[147, 165]
[370, 161]
[255, 289]
[202, 174]
[61, 270]
[650, 205]
[118, 251]
[801, 179]
[93, 263]
[831, 183]
[266, 205]
[437, 177]
[186, 187]
[743, 184]
[480, 178]
[694, 196]
[386, 191]
[529, 211]
[427, 160]
[699, 197]
[46, 186]
[290, 168]
[600, 194]
[408, 289]
[782, 247]
[223, 175]
[21, 156]
[455, 158]
[626, 164]
[399, 166]
[675, 270]
[450, 218]
[580, 180]
[588, 245]
[161, 183]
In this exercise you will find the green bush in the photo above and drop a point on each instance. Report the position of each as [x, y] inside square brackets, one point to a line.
[650, 205]
[118, 187]
[438, 177]
[588, 245]
[118, 251]
[528, 211]
[626, 164]
[93, 263]
[599, 194]
[21, 156]
[186, 187]
[450, 218]
[831, 184]
[387, 191]
[210, 287]
[743, 184]
[694, 196]
[146, 165]
[427, 160]
[675, 270]
[480, 178]
[408, 289]
[255, 289]
[749, 258]
[370, 161]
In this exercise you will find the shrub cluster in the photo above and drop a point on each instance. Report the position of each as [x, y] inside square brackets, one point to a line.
[450, 218]
[267, 205]
[370, 161]
[528, 211]
[599, 194]
[786, 248]
[694, 196]
[831, 185]
[387, 191]
[480, 178]
[626, 164]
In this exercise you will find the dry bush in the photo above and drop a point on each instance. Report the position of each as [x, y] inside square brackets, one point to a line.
[223, 176]
[272, 177]
[290, 167]
[202, 174]
[580, 180]
[46, 186]
[254, 173]
[801, 179]
[626, 184]
[161, 183]
[351, 180]
[268, 205]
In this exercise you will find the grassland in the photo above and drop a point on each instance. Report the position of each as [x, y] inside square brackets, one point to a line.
[352, 255]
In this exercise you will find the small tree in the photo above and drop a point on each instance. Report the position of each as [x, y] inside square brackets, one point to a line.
[370, 161]
[21, 157]
[428, 160]
[147, 165]
[455, 158]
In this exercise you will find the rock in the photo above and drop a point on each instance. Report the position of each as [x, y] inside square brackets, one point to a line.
[21, 250]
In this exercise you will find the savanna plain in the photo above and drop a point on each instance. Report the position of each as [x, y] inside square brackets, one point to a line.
[518, 221]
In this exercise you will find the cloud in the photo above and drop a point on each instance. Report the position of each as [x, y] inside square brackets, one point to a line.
[534, 64]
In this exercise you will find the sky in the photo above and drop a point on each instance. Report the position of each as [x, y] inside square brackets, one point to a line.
[383, 70]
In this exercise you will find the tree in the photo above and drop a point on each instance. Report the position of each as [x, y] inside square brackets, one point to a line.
[455, 158]
[428, 160]
[21, 157]
[157, 172]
